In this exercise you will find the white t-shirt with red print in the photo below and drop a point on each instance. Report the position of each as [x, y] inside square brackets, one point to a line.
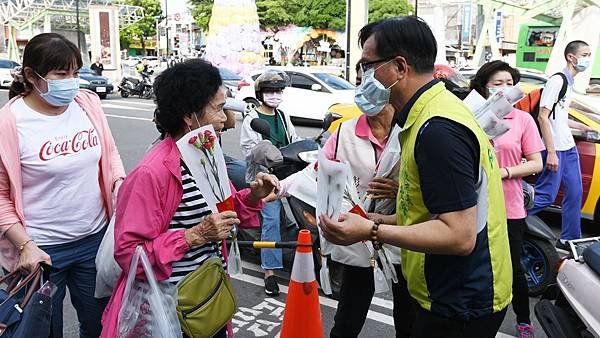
[60, 158]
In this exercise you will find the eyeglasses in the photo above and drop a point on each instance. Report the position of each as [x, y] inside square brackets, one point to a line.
[364, 66]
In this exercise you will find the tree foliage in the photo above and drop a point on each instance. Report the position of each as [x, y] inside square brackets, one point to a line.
[383, 9]
[329, 14]
[146, 27]
[201, 12]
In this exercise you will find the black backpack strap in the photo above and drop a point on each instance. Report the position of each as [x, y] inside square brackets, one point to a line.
[280, 115]
[561, 94]
[337, 141]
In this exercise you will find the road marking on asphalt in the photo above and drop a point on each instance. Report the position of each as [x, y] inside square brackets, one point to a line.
[129, 117]
[374, 315]
[118, 106]
[504, 335]
[388, 304]
[137, 103]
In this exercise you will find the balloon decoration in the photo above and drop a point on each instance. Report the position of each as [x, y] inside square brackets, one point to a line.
[234, 38]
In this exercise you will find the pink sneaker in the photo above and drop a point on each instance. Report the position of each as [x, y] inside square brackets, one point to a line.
[525, 330]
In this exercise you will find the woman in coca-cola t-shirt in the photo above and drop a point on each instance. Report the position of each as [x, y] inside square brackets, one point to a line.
[59, 174]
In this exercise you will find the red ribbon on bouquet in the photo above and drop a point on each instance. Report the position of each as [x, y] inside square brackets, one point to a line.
[226, 205]
[356, 209]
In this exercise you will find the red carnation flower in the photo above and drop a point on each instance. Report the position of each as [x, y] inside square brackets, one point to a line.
[193, 139]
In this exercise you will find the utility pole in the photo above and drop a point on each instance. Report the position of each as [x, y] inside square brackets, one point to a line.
[167, 29]
[78, 27]
[348, 24]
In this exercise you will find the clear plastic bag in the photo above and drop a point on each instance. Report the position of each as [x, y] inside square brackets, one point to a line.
[324, 277]
[379, 277]
[108, 270]
[234, 262]
[388, 267]
[381, 285]
[149, 307]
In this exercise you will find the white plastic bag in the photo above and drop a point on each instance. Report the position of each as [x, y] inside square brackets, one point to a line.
[388, 267]
[107, 269]
[324, 277]
[234, 262]
[381, 285]
[149, 307]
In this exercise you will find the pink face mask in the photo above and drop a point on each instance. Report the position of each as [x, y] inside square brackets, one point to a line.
[273, 100]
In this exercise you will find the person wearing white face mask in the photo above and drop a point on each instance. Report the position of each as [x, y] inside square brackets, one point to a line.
[269, 88]
[521, 141]
[561, 157]
[60, 173]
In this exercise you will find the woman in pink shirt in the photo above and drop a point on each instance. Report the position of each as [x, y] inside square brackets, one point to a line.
[59, 173]
[521, 141]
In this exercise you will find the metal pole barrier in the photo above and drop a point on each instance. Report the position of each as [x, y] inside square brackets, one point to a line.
[267, 245]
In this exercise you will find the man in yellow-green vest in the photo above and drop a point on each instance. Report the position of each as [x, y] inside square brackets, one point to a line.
[450, 219]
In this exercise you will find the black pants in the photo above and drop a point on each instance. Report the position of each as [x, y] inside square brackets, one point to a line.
[356, 294]
[520, 301]
[430, 325]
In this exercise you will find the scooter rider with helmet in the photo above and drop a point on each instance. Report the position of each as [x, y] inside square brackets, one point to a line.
[269, 87]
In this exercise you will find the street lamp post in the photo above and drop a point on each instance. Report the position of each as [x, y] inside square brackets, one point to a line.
[348, 11]
[167, 28]
[416, 7]
[78, 28]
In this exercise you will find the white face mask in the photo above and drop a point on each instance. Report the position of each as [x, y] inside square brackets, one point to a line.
[494, 90]
[273, 100]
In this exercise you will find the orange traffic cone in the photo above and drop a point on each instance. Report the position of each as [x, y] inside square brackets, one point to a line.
[302, 316]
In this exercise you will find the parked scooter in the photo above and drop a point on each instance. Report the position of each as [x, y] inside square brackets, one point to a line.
[296, 156]
[135, 86]
[538, 256]
[571, 309]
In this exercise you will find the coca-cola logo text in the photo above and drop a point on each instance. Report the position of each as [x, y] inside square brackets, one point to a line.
[81, 141]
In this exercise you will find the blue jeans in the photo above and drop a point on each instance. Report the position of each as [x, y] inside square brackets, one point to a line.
[546, 189]
[76, 266]
[270, 231]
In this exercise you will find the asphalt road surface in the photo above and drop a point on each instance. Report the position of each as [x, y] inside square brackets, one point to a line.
[258, 315]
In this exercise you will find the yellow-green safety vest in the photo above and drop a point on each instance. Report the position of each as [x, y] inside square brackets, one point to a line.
[457, 287]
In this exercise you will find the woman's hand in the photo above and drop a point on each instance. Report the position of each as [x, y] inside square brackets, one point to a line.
[263, 186]
[116, 188]
[213, 228]
[349, 229]
[31, 256]
[383, 188]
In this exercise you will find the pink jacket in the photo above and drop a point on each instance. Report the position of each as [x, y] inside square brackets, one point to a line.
[146, 203]
[11, 189]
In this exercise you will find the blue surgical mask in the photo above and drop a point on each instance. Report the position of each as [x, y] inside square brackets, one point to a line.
[583, 64]
[60, 92]
[371, 96]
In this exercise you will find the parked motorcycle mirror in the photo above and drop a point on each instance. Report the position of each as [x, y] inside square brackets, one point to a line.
[261, 126]
[327, 121]
[316, 87]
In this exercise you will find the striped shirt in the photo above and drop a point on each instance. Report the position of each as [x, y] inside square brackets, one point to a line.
[191, 211]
